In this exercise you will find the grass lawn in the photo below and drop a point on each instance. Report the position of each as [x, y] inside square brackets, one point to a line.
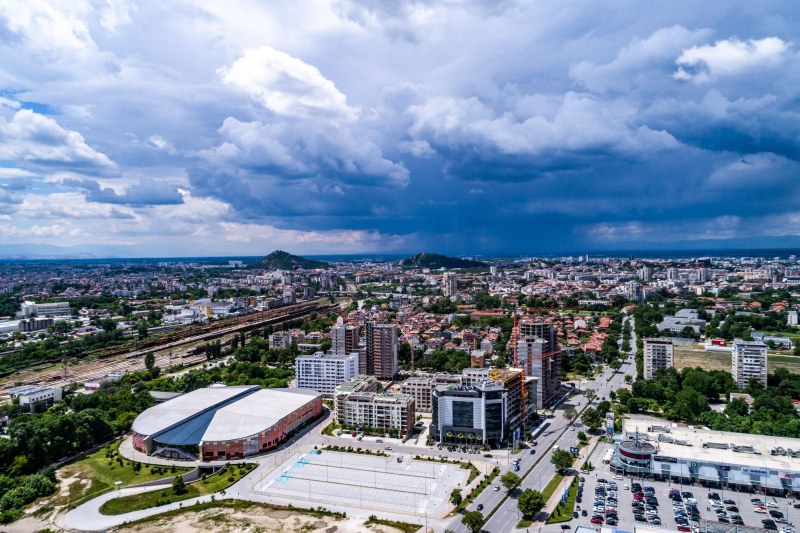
[564, 514]
[552, 486]
[220, 481]
[473, 471]
[524, 523]
[99, 471]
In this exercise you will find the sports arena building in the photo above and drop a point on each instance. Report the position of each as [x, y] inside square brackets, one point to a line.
[221, 422]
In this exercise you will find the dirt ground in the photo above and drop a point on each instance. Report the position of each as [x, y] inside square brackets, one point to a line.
[706, 360]
[722, 361]
[254, 519]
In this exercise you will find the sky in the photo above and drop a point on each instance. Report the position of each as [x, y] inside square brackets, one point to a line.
[199, 127]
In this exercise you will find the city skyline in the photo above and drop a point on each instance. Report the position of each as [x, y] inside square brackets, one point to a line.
[135, 129]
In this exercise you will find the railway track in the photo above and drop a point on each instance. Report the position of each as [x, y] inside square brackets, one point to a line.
[130, 361]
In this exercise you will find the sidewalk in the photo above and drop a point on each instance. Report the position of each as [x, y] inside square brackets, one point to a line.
[555, 498]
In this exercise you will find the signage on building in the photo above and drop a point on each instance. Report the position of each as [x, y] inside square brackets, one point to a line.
[756, 471]
[724, 468]
[665, 459]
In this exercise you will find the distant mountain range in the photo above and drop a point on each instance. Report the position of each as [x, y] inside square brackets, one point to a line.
[426, 260]
[280, 260]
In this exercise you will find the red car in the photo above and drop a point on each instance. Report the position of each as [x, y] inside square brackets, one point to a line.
[597, 520]
[684, 528]
[638, 496]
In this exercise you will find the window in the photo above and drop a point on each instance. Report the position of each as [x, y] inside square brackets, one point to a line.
[462, 414]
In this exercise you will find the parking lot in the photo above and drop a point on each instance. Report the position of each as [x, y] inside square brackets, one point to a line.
[394, 484]
[711, 504]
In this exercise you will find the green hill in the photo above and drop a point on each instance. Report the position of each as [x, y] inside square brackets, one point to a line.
[426, 260]
[280, 260]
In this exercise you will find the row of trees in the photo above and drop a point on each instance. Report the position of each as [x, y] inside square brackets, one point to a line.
[687, 395]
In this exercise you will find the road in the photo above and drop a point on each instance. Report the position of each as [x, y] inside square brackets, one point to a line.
[506, 516]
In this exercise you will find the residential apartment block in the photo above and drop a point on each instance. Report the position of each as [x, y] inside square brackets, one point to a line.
[357, 407]
[381, 351]
[323, 372]
[749, 360]
[539, 354]
[658, 354]
[344, 339]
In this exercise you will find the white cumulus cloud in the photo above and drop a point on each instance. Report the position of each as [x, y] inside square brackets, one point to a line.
[728, 57]
[36, 139]
[286, 85]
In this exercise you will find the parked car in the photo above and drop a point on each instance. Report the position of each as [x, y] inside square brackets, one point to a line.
[597, 519]
[480, 507]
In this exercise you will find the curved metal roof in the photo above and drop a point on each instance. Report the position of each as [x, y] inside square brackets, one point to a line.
[255, 413]
[169, 414]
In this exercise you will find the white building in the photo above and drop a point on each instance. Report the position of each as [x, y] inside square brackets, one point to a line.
[31, 309]
[791, 318]
[30, 396]
[323, 372]
[749, 360]
[449, 284]
[658, 354]
[344, 339]
[280, 339]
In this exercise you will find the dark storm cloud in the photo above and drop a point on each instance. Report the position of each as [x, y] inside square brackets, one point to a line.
[463, 126]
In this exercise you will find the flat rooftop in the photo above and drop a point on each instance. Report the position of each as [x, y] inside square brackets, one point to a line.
[696, 437]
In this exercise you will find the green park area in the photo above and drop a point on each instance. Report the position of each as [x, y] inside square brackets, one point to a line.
[178, 491]
[99, 471]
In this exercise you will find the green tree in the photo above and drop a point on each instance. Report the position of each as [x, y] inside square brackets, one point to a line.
[149, 361]
[455, 497]
[592, 418]
[178, 485]
[562, 460]
[474, 521]
[570, 413]
[510, 481]
[530, 502]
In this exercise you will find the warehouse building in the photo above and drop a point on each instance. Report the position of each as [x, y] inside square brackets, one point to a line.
[221, 423]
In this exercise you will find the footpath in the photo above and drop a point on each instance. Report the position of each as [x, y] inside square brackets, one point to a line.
[555, 498]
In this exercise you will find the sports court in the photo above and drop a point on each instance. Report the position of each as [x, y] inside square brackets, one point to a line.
[328, 478]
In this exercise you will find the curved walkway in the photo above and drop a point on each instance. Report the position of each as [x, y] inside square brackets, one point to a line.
[87, 517]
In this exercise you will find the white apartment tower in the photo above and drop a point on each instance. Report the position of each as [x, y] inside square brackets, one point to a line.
[344, 339]
[658, 354]
[449, 284]
[323, 372]
[749, 360]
